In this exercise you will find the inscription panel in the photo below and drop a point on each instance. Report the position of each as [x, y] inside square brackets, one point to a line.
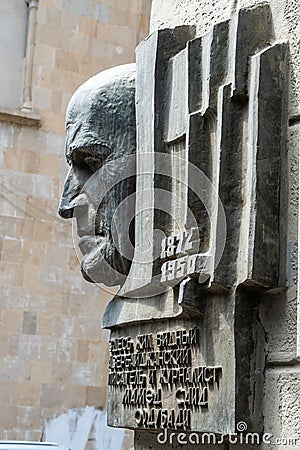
[164, 379]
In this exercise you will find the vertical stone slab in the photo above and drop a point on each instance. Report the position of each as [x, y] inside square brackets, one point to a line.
[219, 60]
[270, 67]
[253, 32]
[154, 55]
[232, 142]
[201, 145]
[195, 74]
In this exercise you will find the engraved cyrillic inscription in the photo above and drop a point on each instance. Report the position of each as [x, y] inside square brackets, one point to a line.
[157, 380]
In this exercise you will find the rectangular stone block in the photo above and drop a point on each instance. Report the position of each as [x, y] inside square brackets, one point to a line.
[11, 274]
[62, 371]
[96, 396]
[30, 278]
[5, 393]
[98, 353]
[82, 350]
[25, 394]
[66, 350]
[50, 33]
[42, 98]
[10, 322]
[29, 346]
[10, 250]
[84, 374]
[14, 369]
[56, 101]
[40, 371]
[73, 396]
[51, 395]
[65, 61]
[87, 25]
[29, 418]
[13, 159]
[8, 417]
[29, 322]
[44, 324]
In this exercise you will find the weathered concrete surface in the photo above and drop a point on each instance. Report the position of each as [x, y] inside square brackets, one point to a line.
[281, 409]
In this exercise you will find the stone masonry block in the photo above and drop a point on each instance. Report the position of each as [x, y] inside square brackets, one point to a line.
[10, 321]
[40, 371]
[5, 393]
[84, 374]
[13, 159]
[25, 394]
[44, 324]
[66, 61]
[103, 13]
[87, 25]
[49, 33]
[56, 101]
[82, 350]
[48, 345]
[73, 396]
[51, 395]
[10, 250]
[11, 274]
[8, 417]
[29, 322]
[29, 346]
[62, 372]
[98, 352]
[14, 369]
[42, 98]
[29, 417]
[53, 16]
[96, 396]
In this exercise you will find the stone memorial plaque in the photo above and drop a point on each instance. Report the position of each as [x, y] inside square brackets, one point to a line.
[166, 379]
[185, 347]
[178, 170]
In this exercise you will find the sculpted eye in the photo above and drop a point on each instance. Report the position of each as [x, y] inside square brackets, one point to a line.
[93, 163]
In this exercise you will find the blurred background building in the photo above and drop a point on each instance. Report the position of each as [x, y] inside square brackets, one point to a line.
[53, 351]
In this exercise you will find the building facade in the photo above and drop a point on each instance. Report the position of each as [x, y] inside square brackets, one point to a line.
[53, 352]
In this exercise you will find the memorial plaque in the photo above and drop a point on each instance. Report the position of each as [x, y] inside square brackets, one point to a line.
[185, 347]
[177, 171]
[163, 379]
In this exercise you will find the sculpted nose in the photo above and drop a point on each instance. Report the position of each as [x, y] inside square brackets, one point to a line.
[65, 211]
[68, 198]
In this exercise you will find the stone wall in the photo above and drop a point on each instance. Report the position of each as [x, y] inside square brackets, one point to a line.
[53, 351]
[278, 312]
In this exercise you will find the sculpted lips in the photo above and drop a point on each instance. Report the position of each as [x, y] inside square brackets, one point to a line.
[87, 244]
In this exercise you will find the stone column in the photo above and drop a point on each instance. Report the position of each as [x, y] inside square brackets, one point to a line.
[30, 45]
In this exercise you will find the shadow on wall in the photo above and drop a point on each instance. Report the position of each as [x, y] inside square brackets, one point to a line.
[74, 429]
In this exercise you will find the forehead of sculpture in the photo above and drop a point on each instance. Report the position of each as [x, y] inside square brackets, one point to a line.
[112, 88]
[101, 108]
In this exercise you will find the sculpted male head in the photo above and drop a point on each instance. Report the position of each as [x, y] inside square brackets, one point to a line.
[100, 137]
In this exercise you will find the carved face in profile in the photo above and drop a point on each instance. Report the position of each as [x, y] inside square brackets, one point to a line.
[100, 137]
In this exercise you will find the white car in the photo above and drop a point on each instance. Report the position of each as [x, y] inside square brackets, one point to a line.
[27, 445]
